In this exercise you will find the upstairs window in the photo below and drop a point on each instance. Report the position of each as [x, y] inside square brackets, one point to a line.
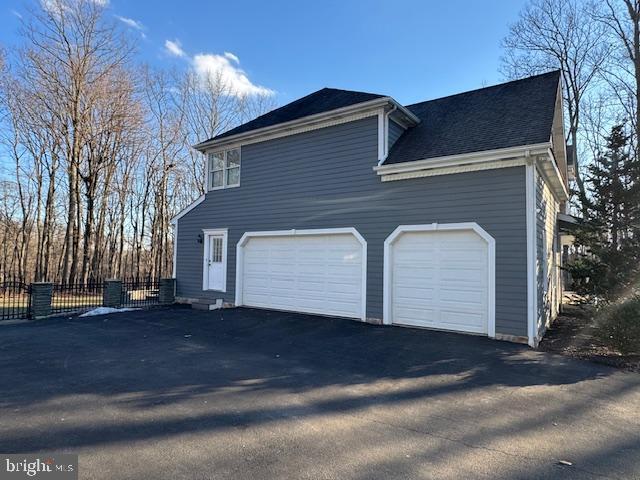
[224, 169]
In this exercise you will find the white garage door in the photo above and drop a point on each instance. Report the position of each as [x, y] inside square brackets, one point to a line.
[440, 280]
[304, 273]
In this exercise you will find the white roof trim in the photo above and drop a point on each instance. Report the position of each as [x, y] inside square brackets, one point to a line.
[473, 167]
[291, 127]
[187, 209]
[551, 174]
[464, 159]
[294, 130]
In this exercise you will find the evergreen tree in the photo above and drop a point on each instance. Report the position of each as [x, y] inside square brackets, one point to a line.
[610, 231]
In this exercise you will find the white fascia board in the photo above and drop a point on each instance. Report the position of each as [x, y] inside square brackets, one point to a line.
[551, 174]
[470, 167]
[187, 209]
[463, 159]
[311, 122]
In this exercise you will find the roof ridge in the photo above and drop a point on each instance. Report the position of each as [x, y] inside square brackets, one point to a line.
[556, 71]
[353, 91]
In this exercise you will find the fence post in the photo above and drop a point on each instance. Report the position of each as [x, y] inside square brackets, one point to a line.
[112, 293]
[41, 293]
[167, 290]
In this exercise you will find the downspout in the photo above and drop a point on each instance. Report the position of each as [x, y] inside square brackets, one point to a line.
[386, 134]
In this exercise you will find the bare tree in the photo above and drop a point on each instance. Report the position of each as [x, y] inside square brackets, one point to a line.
[71, 51]
[622, 21]
[210, 107]
[558, 34]
[99, 151]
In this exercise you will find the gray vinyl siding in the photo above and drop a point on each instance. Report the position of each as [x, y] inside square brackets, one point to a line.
[325, 179]
[395, 131]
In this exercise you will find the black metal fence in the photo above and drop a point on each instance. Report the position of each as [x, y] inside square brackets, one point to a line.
[17, 298]
[14, 300]
[70, 297]
[140, 292]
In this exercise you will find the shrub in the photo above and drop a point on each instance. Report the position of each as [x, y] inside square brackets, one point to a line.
[619, 326]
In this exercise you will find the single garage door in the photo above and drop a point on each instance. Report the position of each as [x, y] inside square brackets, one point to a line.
[440, 279]
[310, 273]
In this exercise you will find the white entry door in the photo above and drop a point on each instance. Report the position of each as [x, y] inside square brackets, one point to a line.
[215, 261]
[440, 279]
[310, 273]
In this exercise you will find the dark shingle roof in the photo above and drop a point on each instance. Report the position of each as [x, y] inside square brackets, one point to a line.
[317, 102]
[506, 115]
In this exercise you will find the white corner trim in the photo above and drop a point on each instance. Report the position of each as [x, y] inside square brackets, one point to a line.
[434, 227]
[208, 233]
[315, 231]
[532, 281]
[188, 208]
[175, 249]
[474, 167]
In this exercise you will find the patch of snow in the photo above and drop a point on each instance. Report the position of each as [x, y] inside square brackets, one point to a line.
[105, 310]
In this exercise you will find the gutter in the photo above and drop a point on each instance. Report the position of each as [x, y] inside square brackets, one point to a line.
[305, 121]
[553, 176]
[463, 159]
[386, 134]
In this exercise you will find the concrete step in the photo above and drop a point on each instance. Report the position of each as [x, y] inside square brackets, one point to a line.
[206, 306]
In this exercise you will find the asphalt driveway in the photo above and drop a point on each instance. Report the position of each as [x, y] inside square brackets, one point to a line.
[177, 393]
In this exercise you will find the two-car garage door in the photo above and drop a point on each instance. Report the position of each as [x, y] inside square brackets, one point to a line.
[320, 273]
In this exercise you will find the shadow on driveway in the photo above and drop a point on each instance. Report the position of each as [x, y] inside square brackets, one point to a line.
[244, 392]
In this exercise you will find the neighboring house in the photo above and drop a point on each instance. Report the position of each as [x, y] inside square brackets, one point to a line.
[441, 214]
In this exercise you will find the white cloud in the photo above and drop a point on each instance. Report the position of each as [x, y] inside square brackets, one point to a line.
[130, 22]
[17, 14]
[231, 56]
[173, 47]
[59, 6]
[223, 68]
[210, 65]
[53, 6]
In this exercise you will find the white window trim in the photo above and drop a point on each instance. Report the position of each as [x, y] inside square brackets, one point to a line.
[435, 227]
[316, 231]
[208, 233]
[224, 185]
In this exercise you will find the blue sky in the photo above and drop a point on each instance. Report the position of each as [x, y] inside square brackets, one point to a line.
[410, 50]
